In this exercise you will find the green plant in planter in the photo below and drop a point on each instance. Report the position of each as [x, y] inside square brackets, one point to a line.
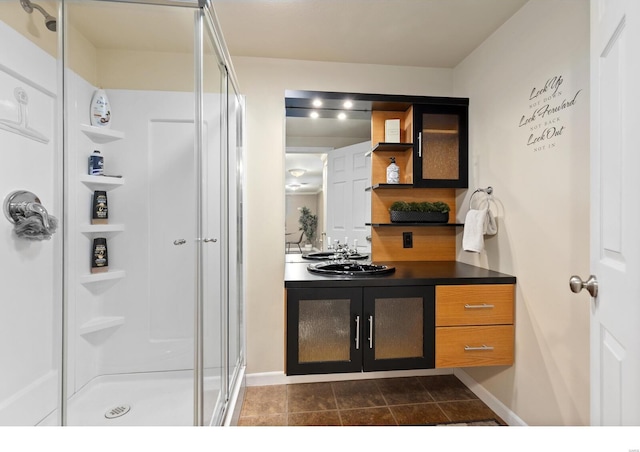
[403, 206]
[308, 223]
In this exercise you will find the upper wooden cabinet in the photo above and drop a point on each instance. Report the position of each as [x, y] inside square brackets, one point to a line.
[433, 151]
[441, 146]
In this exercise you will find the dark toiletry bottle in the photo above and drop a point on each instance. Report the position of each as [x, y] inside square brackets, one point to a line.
[99, 255]
[99, 211]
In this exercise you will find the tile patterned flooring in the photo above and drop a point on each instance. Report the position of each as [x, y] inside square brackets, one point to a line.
[425, 400]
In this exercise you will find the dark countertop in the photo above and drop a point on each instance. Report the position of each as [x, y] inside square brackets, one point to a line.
[406, 274]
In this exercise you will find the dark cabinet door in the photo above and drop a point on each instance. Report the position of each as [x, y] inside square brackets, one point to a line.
[324, 330]
[441, 146]
[399, 328]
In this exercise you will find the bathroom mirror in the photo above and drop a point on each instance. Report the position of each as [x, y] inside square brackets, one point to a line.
[315, 134]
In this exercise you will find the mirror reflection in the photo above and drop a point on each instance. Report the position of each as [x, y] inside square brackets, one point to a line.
[326, 170]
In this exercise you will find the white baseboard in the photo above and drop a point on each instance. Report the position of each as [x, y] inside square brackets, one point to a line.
[489, 399]
[279, 378]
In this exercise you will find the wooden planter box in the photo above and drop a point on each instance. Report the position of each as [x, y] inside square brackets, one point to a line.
[419, 217]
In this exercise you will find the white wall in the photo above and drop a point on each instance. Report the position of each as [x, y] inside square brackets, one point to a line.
[542, 195]
[263, 82]
[30, 271]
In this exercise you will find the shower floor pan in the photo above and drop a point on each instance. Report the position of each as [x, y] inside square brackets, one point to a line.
[143, 399]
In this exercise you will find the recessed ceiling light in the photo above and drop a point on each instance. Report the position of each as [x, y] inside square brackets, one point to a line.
[314, 114]
[317, 103]
[347, 104]
[342, 115]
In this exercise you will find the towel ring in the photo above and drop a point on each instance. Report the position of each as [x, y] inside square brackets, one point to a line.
[488, 191]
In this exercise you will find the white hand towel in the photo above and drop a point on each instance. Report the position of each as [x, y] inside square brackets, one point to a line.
[474, 224]
[490, 225]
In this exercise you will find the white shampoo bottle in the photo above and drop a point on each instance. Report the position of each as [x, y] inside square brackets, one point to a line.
[393, 172]
[100, 109]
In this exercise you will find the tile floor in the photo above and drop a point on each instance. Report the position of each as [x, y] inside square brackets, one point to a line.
[426, 400]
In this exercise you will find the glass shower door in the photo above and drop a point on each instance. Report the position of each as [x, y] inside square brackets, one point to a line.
[130, 329]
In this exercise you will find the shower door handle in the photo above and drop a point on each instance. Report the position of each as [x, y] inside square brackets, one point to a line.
[179, 242]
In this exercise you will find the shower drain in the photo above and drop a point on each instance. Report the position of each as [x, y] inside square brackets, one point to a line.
[117, 411]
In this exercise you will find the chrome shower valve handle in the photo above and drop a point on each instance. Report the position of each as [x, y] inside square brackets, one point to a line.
[21, 204]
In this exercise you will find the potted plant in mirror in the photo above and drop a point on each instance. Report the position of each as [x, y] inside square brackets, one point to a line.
[419, 212]
[308, 224]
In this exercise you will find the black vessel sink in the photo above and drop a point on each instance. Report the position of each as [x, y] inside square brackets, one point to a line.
[349, 269]
[327, 255]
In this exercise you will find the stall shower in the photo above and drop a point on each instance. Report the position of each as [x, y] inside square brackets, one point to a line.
[153, 333]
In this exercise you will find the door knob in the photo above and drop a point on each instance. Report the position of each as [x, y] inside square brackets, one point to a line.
[577, 284]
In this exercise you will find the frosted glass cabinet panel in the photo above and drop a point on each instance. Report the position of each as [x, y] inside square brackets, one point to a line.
[398, 328]
[324, 330]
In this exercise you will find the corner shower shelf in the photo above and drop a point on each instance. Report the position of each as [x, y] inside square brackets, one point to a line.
[106, 276]
[102, 182]
[100, 324]
[101, 135]
[91, 228]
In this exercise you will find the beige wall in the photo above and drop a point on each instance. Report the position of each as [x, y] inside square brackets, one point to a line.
[543, 203]
[82, 54]
[292, 215]
[263, 82]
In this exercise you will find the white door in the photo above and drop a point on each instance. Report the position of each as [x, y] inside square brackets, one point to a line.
[348, 206]
[615, 217]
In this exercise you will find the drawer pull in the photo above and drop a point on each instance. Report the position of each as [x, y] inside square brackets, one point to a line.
[478, 306]
[482, 347]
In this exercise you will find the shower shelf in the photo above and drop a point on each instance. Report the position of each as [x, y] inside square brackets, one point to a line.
[106, 276]
[101, 135]
[99, 324]
[92, 228]
[106, 183]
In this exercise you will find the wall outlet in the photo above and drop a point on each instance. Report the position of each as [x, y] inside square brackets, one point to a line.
[407, 239]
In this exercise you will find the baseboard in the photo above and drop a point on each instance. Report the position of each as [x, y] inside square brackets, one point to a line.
[489, 399]
[279, 378]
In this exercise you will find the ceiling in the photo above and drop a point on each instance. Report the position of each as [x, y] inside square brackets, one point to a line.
[423, 33]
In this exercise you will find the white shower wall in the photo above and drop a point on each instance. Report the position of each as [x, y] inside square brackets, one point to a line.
[156, 205]
[30, 272]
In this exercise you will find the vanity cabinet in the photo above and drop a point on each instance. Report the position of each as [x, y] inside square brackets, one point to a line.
[474, 325]
[355, 329]
[441, 146]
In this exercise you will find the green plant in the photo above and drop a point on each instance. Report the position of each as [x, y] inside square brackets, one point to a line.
[308, 223]
[403, 206]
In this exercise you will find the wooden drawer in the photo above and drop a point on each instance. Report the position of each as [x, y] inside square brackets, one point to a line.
[480, 304]
[473, 346]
